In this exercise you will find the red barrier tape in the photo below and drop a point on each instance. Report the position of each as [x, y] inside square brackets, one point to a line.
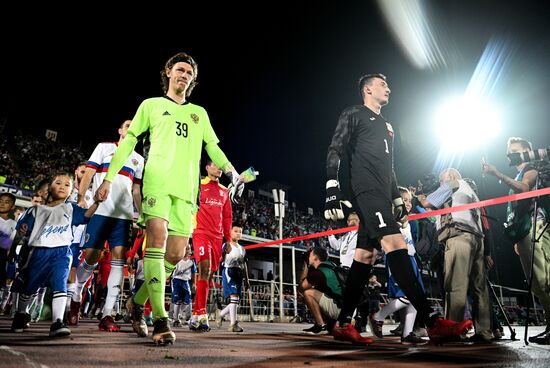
[416, 216]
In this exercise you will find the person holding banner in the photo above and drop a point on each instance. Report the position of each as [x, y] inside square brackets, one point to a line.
[518, 212]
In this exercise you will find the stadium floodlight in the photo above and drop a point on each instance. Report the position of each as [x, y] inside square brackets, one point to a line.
[465, 124]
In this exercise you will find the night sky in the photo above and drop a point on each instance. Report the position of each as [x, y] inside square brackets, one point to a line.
[274, 83]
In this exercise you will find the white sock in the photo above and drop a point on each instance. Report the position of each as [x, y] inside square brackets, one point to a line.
[410, 316]
[113, 285]
[225, 310]
[5, 296]
[59, 301]
[233, 305]
[71, 288]
[393, 306]
[39, 299]
[171, 311]
[83, 274]
[176, 311]
[186, 311]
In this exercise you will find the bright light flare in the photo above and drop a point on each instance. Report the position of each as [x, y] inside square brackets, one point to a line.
[410, 24]
[466, 124]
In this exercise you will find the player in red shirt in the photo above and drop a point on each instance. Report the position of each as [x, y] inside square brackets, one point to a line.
[213, 224]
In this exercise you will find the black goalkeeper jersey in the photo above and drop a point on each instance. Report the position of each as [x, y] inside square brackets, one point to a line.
[367, 138]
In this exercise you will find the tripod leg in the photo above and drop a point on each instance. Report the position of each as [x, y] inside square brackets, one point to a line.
[495, 296]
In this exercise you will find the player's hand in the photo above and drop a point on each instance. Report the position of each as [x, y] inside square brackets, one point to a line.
[400, 211]
[487, 168]
[334, 201]
[23, 230]
[130, 264]
[103, 191]
[489, 263]
[236, 187]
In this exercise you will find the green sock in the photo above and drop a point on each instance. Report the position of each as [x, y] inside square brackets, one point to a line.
[155, 280]
[168, 268]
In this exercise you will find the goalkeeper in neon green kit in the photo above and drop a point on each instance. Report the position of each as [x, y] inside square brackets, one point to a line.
[175, 130]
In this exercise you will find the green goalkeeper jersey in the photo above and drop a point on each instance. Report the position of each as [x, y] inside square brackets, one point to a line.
[176, 134]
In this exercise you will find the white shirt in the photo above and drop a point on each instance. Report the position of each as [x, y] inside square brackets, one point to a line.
[119, 204]
[411, 250]
[346, 245]
[139, 270]
[51, 227]
[80, 230]
[235, 258]
[7, 233]
[184, 270]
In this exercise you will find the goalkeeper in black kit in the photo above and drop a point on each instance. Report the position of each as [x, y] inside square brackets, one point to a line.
[367, 138]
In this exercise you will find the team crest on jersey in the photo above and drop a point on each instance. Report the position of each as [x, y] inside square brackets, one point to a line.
[221, 193]
[87, 238]
[195, 118]
[134, 162]
[390, 129]
[151, 202]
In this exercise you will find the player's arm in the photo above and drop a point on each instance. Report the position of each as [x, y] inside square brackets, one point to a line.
[336, 149]
[139, 125]
[90, 211]
[136, 195]
[93, 163]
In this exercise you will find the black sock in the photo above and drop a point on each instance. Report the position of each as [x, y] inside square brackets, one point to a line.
[401, 268]
[358, 276]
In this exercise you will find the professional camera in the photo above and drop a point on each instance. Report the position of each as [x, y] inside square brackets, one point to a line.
[540, 158]
[540, 154]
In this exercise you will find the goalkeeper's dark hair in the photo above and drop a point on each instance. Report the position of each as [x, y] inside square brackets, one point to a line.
[523, 142]
[179, 57]
[367, 79]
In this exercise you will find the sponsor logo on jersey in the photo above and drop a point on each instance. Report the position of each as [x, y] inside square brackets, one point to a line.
[54, 230]
[166, 113]
[154, 280]
[390, 129]
[195, 118]
[213, 202]
[331, 198]
[151, 202]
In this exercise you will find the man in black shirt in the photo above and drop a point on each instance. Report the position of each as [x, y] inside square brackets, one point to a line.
[367, 138]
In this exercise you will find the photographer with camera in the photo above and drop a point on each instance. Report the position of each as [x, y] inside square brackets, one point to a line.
[519, 225]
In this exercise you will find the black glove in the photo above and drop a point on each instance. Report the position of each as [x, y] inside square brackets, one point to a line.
[334, 201]
[400, 211]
